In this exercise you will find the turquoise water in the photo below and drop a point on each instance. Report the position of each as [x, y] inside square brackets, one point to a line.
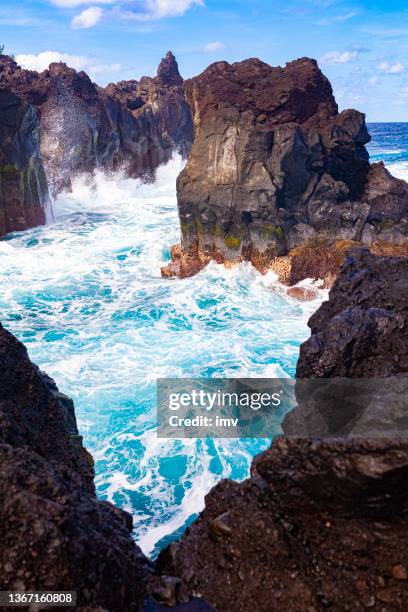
[85, 295]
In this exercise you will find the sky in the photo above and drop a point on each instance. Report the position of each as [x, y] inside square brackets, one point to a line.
[361, 46]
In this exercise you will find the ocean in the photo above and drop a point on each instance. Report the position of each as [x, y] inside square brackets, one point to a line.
[84, 293]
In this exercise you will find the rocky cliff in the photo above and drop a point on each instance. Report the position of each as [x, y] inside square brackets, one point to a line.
[274, 168]
[321, 524]
[55, 535]
[24, 193]
[134, 126]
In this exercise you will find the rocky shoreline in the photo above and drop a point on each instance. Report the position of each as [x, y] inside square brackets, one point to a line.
[275, 174]
[319, 524]
[71, 126]
[278, 177]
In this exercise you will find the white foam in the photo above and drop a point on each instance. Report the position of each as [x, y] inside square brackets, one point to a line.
[399, 169]
[86, 296]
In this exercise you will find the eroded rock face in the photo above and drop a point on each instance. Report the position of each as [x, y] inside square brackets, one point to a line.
[131, 125]
[362, 330]
[275, 166]
[321, 524]
[24, 193]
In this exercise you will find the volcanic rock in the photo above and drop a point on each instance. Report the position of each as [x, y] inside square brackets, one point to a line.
[362, 330]
[275, 166]
[134, 126]
[24, 195]
[55, 534]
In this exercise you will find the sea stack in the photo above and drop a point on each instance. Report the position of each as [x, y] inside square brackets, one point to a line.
[277, 176]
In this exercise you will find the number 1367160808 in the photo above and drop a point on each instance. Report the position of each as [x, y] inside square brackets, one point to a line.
[42, 599]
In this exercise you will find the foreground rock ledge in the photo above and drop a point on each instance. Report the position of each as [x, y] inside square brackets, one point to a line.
[278, 177]
[320, 524]
[55, 534]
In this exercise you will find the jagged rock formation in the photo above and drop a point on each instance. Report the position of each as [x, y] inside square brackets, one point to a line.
[321, 524]
[131, 125]
[275, 166]
[23, 185]
[362, 331]
[55, 535]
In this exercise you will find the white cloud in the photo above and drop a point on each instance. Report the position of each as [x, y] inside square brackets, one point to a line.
[373, 80]
[338, 57]
[135, 10]
[75, 3]
[87, 19]
[151, 10]
[391, 68]
[170, 8]
[213, 47]
[41, 62]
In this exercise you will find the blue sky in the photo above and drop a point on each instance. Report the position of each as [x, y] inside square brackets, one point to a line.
[361, 46]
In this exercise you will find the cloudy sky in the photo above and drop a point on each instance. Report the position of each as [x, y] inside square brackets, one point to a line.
[362, 46]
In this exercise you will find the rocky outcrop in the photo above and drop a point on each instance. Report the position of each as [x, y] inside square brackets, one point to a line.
[321, 524]
[152, 119]
[362, 331]
[134, 126]
[359, 339]
[24, 193]
[275, 167]
[55, 535]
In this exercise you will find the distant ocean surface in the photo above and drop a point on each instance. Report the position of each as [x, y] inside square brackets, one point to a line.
[85, 295]
[390, 144]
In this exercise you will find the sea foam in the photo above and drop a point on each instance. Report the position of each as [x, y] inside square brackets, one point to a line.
[86, 296]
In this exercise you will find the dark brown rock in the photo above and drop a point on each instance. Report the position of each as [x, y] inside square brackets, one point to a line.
[275, 166]
[321, 524]
[24, 193]
[362, 331]
[308, 527]
[55, 534]
[134, 126]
